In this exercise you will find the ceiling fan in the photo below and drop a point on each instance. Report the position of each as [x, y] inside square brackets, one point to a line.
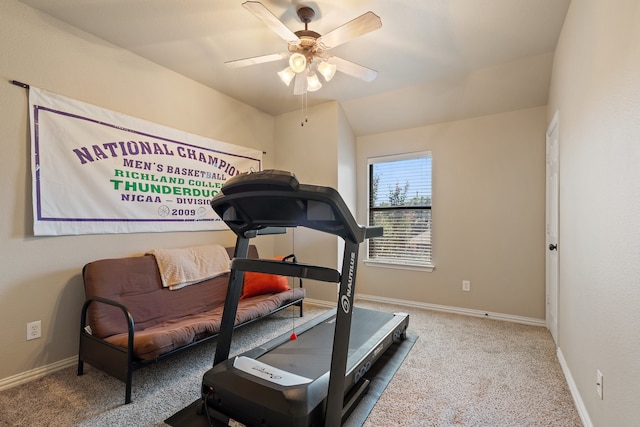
[307, 50]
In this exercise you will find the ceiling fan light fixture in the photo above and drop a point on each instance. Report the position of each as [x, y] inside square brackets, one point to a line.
[313, 82]
[327, 70]
[286, 75]
[297, 62]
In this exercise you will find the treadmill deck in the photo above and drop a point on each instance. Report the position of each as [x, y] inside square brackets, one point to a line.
[268, 402]
[310, 354]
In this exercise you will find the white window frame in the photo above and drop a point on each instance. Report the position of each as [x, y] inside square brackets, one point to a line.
[387, 263]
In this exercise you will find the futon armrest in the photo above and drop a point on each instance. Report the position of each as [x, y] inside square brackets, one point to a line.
[113, 360]
[125, 311]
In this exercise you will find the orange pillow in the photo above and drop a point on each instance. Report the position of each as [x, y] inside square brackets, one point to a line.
[263, 283]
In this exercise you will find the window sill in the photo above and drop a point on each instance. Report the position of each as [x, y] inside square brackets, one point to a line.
[398, 266]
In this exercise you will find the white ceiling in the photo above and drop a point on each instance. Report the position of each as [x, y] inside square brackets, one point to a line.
[437, 60]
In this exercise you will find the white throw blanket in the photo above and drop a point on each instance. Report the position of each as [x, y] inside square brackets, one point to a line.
[187, 266]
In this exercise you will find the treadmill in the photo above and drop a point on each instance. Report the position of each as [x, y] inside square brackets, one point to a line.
[318, 378]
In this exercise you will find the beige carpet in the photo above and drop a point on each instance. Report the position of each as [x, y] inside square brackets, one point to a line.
[469, 371]
[462, 371]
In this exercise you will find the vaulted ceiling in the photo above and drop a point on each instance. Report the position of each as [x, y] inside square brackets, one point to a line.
[437, 60]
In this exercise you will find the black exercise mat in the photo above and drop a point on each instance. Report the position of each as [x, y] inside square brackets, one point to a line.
[380, 375]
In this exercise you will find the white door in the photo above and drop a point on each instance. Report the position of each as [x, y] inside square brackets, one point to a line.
[552, 227]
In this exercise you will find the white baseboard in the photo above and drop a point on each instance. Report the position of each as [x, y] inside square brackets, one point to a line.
[456, 310]
[577, 398]
[36, 373]
[321, 303]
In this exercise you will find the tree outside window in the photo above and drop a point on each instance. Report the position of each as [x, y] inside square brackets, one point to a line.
[400, 202]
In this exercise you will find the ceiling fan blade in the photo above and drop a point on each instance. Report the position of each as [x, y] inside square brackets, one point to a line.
[363, 24]
[255, 60]
[353, 69]
[300, 84]
[265, 15]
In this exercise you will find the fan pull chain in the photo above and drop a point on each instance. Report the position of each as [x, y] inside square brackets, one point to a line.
[305, 109]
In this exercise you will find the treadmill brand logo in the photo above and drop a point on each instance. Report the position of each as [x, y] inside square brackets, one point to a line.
[264, 371]
[345, 300]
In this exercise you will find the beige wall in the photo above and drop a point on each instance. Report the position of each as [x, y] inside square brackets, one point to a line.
[488, 214]
[311, 152]
[346, 160]
[40, 277]
[596, 91]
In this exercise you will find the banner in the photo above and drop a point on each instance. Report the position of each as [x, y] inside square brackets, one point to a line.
[96, 171]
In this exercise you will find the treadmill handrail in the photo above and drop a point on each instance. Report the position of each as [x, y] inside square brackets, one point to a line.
[373, 231]
[304, 271]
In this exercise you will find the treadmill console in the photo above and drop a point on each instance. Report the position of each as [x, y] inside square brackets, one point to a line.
[260, 181]
[274, 198]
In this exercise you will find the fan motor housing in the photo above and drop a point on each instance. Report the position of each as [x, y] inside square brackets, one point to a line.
[308, 44]
[308, 38]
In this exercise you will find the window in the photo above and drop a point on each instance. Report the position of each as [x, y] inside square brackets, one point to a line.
[400, 202]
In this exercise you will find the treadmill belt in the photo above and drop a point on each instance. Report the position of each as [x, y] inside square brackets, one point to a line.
[310, 354]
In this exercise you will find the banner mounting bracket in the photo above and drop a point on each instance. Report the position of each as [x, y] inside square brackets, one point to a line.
[17, 83]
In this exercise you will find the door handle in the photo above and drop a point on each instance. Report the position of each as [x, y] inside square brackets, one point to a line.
[553, 247]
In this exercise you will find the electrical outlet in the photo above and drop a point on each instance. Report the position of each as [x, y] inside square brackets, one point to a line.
[466, 285]
[599, 383]
[34, 330]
